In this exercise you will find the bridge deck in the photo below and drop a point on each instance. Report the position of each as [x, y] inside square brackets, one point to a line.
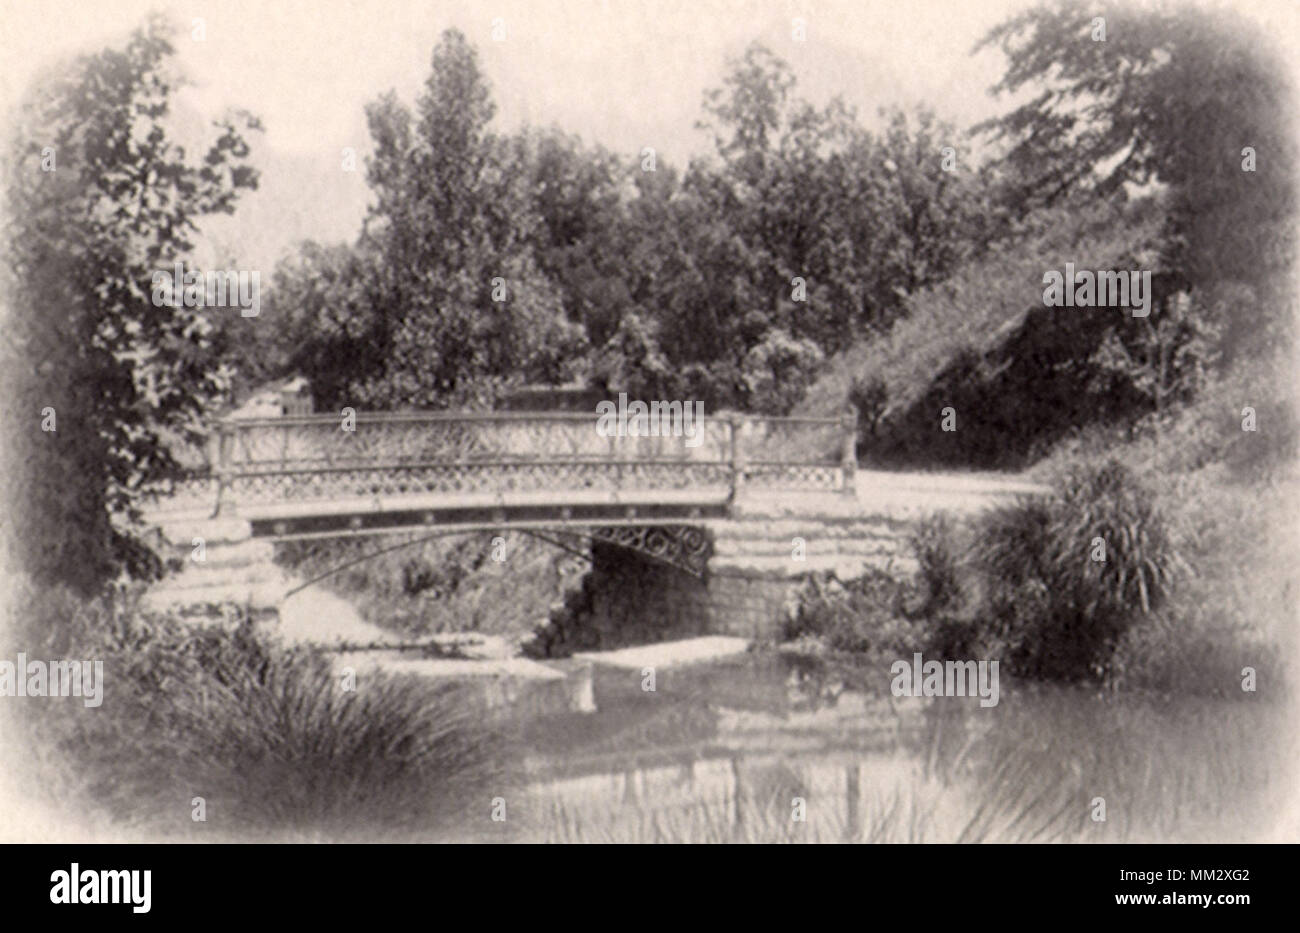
[617, 501]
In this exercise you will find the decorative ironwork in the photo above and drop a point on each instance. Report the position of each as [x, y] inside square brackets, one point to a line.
[794, 476]
[685, 547]
[389, 456]
[400, 472]
[397, 480]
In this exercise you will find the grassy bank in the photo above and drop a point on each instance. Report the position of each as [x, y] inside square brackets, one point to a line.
[260, 740]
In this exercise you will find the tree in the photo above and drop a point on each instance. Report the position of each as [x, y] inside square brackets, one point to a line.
[811, 195]
[581, 240]
[778, 370]
[116, 373]
[1167, 356]
[1173, 96]
[325, 321]
[461, 299]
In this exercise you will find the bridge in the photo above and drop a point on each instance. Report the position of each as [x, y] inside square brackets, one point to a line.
[745, 505]
[316, 476]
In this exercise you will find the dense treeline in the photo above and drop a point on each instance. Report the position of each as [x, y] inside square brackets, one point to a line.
[792, 251]
[806, 263]
[488, 258]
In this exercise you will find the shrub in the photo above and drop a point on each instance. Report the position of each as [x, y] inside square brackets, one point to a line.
[284, 747]
[82, 345]
[939, 556]
[568, 627]
[1168, 656]
[264, 733]
[945, 596]
[982, 342]
[879, 611]
[860, 615]
[778, 369]
[1239, 608]
[1058, 610]
[447, 583]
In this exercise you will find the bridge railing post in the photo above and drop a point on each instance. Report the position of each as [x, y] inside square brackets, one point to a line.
[849, 452]
[223, 468]
[737, 453]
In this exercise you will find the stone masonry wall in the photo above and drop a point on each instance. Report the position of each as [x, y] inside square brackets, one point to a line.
[628, 599]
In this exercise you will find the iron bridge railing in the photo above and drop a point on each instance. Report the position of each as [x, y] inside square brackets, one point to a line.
[317, 458]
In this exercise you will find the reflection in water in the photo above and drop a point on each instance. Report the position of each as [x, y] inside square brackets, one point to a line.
[740, 750]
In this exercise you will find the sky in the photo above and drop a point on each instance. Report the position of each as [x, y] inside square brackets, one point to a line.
[624, 73]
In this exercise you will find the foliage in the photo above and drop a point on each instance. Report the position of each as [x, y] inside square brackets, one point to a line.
[1172, 95]
[892, 612]
[869, 398]
[865, 614]
[460, 296]
[322, 322]
[1129, 156]
[777, 371]
[1024, 586]
[1166, 357]
[447, 584]
[940, 555]
[1070, 574]
[264, 733]
[608, 266]
[1018, 375]
[83, 242]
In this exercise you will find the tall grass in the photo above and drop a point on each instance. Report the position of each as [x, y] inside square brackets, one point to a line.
[905, 813]
[1067, 576]
[1032, 769]
[269, 738]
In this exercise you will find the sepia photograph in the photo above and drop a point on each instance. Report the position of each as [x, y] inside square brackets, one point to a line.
[649, 421]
